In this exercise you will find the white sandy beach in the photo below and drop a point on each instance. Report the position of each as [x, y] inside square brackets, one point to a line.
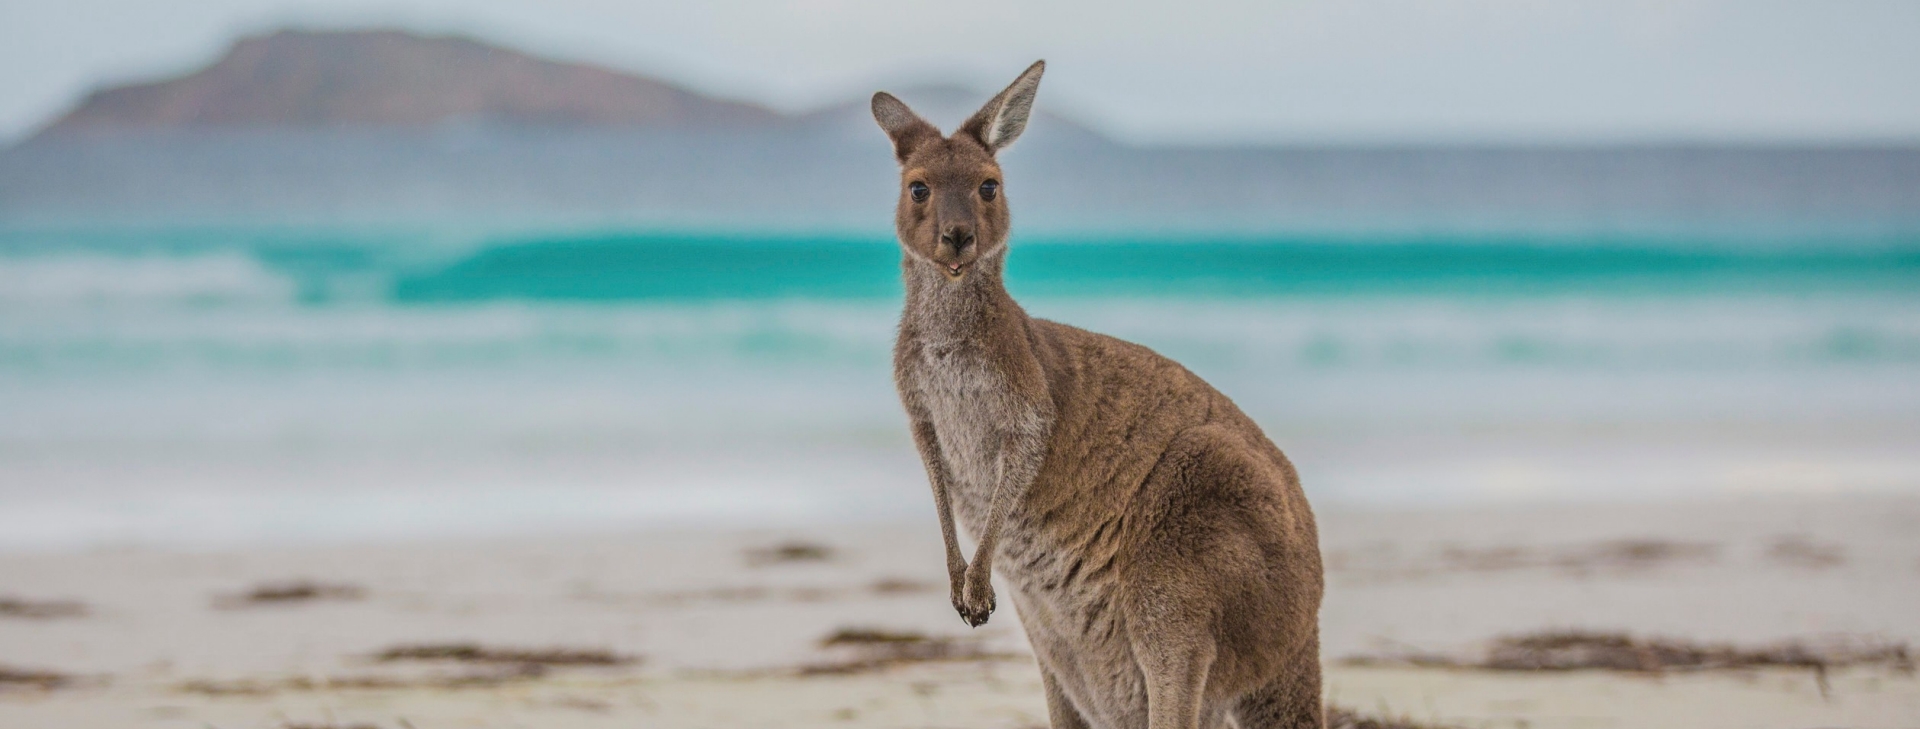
[726, 634]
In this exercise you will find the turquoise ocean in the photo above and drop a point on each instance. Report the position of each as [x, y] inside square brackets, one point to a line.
[242, 383]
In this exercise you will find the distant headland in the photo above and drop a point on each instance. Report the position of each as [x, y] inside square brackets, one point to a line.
[382, 124]
[305, 78]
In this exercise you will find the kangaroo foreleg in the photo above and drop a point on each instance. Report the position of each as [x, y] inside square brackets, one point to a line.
[1023, 446]
[940, 479]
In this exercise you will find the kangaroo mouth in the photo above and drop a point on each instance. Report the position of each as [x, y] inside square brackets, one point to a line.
[953, 270]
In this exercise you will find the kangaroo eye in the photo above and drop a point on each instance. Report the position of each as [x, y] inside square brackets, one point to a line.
[989, 189]
[919, 191]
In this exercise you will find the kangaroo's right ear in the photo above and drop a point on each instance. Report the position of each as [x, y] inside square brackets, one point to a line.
[1000, 122]
[905, 128]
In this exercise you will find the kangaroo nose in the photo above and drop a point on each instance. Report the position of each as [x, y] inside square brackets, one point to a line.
[958, 236]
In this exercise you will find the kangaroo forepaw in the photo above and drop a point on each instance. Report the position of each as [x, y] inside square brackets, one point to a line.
[975, 615]
[974, 601]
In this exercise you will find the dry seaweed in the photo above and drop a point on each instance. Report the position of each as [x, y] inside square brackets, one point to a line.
[1340, 717]
[1576, 650]
[474, 653]
[13, 607]
[788, 552]
[32, 678]
[1383, 561]
[1489, 559]
[475, 679]
[291, 593]
[864, 650]
[1621, 555]
[901, 586]
[1804, 553]
[753, 593]
[1581, 650]
[884, 587]
[495, 666]
[1629, 555]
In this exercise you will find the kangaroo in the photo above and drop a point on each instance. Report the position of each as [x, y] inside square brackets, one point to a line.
[1161, 553]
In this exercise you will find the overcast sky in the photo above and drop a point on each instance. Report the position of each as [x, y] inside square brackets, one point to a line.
[1237, 70]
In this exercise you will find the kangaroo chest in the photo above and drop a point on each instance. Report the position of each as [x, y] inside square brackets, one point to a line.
[1066, 599]
[967, 400]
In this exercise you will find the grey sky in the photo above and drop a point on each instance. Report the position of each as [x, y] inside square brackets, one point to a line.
[1236, 70]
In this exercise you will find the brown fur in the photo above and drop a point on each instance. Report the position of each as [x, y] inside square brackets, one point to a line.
[1160, 551]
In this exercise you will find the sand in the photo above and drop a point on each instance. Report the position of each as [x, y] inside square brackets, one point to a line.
[724, 627]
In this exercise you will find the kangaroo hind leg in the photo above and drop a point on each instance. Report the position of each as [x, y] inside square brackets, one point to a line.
[1291, 701]
[1175, 665]
[1061, 713]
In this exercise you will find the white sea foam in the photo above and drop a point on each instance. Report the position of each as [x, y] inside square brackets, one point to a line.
[70, 279]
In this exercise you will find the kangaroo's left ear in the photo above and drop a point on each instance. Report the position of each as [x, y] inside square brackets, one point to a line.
[1002, 120]
[907, 130]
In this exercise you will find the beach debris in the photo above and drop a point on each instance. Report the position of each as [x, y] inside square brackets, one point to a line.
[872, 636]
[291, 593]
[368, 682]
[474, 653]
[811, 594]
[901, 586]
[32, 679]
[1614, 557]
[1341, 717]
[1630, 555]
[753, 593]
[884, 587]
[1490, 559]
[789, 552]
[579, 703]
[1575, 650]
[863, 649]
[1802, 552]
[1583, 650]
[1619, 555]
[14, 607]
[485, 668]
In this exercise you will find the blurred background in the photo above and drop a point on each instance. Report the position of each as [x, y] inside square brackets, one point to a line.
[425, 363]
[277, 270]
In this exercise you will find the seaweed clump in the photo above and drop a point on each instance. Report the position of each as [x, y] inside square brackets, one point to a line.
[291, 593]
[869, 649]
[475, 653]
[1340, 717]
[33, 679]
[789, 552]
[1586, 650]
[13, 607]
[1570, 650]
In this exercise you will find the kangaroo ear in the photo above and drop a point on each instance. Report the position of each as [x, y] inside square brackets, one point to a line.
[1002, 120]
[905, 128]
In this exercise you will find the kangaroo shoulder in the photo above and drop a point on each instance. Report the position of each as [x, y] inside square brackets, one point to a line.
[1092, 357]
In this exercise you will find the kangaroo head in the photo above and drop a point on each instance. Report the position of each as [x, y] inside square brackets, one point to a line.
[951, 211]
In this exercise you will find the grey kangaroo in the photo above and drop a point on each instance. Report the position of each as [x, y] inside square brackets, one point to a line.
[1161, 553]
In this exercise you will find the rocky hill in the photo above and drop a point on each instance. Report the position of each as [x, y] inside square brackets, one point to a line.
[388, 125]
[295, 78]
